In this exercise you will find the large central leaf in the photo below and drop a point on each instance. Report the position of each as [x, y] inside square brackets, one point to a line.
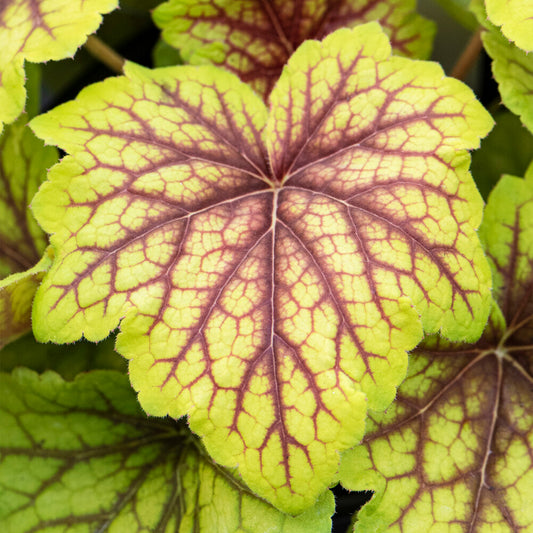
[272, 267]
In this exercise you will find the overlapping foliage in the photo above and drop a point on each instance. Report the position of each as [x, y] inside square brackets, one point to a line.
[37, 31]
[460, 432]
[269, 259]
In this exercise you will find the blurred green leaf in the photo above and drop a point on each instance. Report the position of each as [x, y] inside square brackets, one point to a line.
[508, 149]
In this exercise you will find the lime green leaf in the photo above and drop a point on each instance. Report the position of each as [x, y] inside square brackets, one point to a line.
[24, 161]
[254, 39]
[513, 70]
[16, 297]
[273, 267]
[456, 448]
[36, 31]
[515, 18]
[81, 457]
[507, 232]
[508, 149]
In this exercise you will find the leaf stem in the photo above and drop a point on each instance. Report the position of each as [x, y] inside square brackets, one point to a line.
[468, 57]
[105, 54]
[519, 348]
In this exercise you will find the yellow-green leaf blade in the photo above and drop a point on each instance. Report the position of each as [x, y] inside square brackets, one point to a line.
[387, 138]
[456, 446]
[247, 298]
[512, 67]
[254, 39]
[515, 18]
[513, 70]
[24, 161]
[36, 31]
[507, 233]
[81, 456]
[16, 298]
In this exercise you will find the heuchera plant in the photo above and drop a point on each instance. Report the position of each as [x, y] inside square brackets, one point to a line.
[274, 223]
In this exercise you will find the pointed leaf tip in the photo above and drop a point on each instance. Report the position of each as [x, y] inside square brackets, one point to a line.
[269, 268]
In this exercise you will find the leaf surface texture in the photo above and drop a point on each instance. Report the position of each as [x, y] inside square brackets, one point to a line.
[456, 446]
[270, 267]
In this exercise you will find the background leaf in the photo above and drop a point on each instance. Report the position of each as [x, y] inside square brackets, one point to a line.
[516, 20]
[513, 70]
[39, 30]
[68, 360]
[82, 457]
[459, 10]
[456, 446]
[271, 267]
[16, 298]
[512, 67]
[254, 39]
[24, 161]
[508, 149]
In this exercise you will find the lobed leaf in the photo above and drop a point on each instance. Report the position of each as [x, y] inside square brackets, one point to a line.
[512, 68]
[455, 450]
[254, 39]
[516, 20]
[81, 457]
[270, 268]
[36, 31]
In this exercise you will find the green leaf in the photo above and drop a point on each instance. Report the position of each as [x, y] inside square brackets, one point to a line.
[270, 268]
[254, 39]
[507, 233]
[515, 18]
[165, 55]
[457, 445]
[82, 457]
[459, 10]
[33, 89]
[513, 70]
[39, 30]
[508, 149]
[68, 360]
[24, 161]
[16, 297]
